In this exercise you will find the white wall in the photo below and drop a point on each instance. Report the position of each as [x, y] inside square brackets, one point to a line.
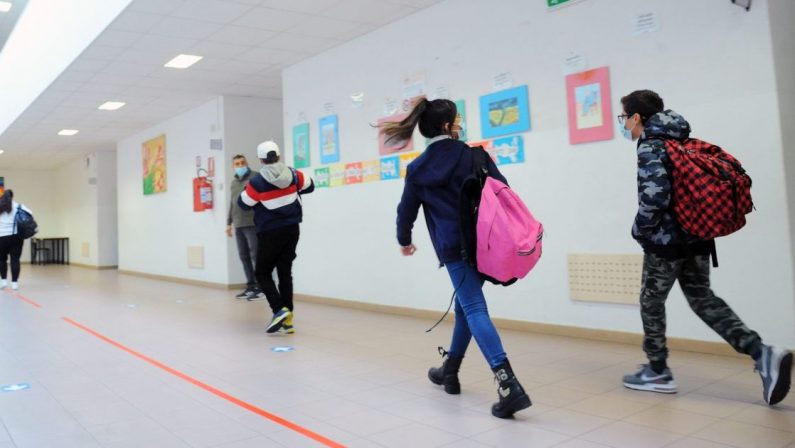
[36, 189]
[77, 208]
[584, 194]
[248, 122]
[107, 213]
[155, 231]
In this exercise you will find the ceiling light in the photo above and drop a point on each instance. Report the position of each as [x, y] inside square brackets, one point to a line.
[1, 151]
[112, 105]
[68, 132]
[183, 61]
[5, 6]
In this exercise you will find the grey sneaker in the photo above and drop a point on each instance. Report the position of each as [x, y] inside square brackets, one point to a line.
[775, 368]
[244, 294]
[254, 294]
[649, 380]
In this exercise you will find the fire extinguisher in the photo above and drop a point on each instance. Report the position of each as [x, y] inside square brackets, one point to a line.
[202, 192]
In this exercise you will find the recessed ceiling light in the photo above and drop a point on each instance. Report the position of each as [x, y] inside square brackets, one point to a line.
[183, 61]
[5, 6]
[68, 132]
[1, 151]
[112, 105]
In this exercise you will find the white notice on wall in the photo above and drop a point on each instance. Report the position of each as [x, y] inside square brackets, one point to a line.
[645, 23]
[329, 108]
[439, 92]
[574, 63]
[357, 100]
[503, 81]
[390, 107]
[414, 85]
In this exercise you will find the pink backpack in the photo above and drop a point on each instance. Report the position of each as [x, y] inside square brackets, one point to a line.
[508, 236]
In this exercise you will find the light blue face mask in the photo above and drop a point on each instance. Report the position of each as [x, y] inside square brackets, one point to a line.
[241, 171]
[627, 133]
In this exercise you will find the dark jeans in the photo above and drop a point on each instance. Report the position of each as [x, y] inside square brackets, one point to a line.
[247, 250]
[276, 249]
[659, 276]
[10, 245]
[472, 316]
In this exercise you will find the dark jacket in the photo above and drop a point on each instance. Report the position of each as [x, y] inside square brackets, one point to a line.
[655, 227]
[433, 180]
[238, 216]
[276, 201]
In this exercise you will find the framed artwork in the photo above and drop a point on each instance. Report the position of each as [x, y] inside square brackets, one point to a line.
[322, 178]
[301, 145]
[329, 140]
[390, 168]
[588, 98]
[154, 161]
[505, 112]
[337, 175]
[371, 171]
[508, 150]
[2, 185]
[353, 173]
[383, 148]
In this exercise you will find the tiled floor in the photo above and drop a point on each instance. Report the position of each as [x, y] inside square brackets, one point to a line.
[355, 378]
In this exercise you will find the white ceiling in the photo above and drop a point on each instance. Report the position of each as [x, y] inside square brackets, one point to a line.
[245, 44]
[9, 19]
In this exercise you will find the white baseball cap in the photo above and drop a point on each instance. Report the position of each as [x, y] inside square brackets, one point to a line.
[266, 147]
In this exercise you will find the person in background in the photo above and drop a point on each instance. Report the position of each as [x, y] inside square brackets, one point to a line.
[434, 181]
[10, 241]
[670, 254]
[241, 222]
[275, 196]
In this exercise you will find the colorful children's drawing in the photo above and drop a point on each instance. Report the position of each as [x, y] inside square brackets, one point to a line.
[371, 171]
[329, 140]
[405, 159]
[588, 100]
[322, 178]
[508, 150]
[154, 161]
[390, 168]
[353, 173]
[337, 175]
[301, 145]
[505, 112]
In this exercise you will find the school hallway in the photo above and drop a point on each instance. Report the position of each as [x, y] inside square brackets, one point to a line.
[113, 360]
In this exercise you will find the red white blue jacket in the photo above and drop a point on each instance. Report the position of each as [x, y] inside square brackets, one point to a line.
[276, 207]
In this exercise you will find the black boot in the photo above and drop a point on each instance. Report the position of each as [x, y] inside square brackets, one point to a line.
[512, 396]
[447, 375]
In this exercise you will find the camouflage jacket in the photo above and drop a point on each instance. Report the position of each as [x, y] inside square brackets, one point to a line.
[655, 226]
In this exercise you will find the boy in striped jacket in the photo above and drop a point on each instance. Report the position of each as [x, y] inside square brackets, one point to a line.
[275, 196]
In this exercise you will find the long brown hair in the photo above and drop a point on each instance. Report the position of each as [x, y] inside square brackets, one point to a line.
[431, 116]
[6, 201]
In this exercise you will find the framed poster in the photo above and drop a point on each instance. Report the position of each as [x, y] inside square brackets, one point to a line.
[588, 98]
[353, 173]
[505, 112]
[508, 150]
[385, 149]
[154, 161]
[322, 178]
[329, 140]
[301, 145]
[390, 168]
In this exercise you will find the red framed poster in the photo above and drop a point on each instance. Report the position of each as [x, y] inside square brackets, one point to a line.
[588, 97]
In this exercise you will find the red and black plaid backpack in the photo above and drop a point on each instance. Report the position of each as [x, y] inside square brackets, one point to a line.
[711, 191]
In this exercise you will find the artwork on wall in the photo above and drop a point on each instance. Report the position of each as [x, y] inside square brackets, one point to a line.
[390, 168]
[462, 111]
[385, 149]
[329, 140]
[154, 160]
[588, 98]
[322, 178]
[301, 158]
[371, 171]
[337, 175]
[503, 151]
[2, 185]
[405, 159]
[505, 112]
[353, 173]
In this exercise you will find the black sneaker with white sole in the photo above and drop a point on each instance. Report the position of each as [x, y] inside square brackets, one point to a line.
[775, 369]
[244, 294]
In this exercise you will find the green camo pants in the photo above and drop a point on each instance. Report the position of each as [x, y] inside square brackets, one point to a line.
[659, 275]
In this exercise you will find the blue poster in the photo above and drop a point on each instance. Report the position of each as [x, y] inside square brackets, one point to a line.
[505, 112]
[329, 140]
[509, 150]
[390, 168]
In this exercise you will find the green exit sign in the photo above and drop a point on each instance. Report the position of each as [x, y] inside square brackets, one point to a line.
[557, 3]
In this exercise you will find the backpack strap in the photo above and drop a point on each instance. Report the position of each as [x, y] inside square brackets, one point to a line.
[479, 167]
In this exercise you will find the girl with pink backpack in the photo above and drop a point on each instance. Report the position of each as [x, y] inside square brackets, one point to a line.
[434, 181]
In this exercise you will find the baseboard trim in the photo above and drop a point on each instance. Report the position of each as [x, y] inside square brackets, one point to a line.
[182, 281]
[93, 266]
[678, 344]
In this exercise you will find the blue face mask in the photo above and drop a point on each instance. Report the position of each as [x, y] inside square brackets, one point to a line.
[627, 133]
[241, 171]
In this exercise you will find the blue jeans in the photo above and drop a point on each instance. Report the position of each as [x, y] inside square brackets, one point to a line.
[472, 316]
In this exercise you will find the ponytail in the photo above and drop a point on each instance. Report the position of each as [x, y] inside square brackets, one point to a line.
[430, 116]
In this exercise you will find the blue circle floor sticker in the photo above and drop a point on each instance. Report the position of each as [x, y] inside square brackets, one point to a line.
[282, 349]
[14, 387]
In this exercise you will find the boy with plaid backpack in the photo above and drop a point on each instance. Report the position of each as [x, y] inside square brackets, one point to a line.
[689, 192]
